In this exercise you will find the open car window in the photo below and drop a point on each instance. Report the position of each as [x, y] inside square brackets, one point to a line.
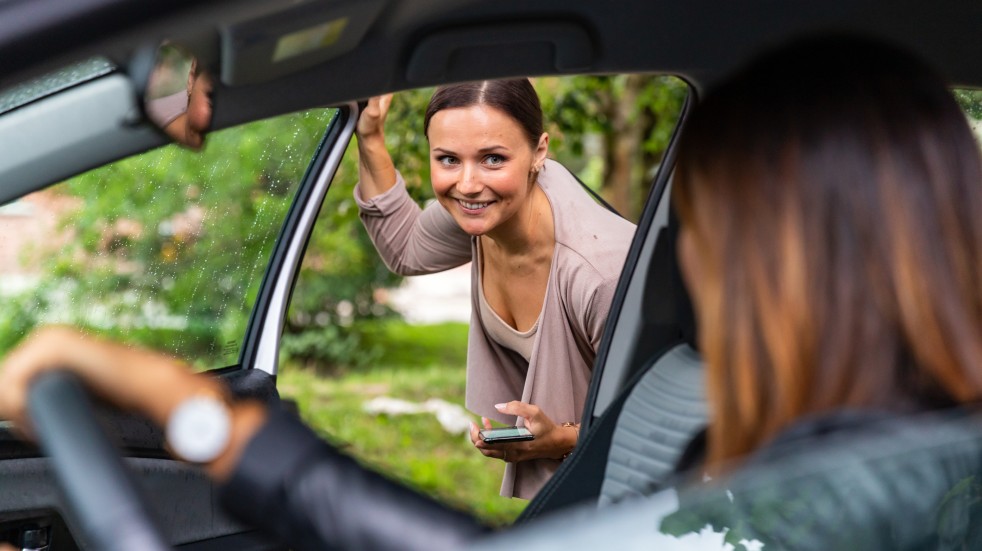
[166, 249]
[376, 361]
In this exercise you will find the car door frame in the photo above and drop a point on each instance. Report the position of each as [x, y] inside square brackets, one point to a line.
[260, 347]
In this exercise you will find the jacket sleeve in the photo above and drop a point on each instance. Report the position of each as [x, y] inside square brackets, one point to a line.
[297, 488]
[596, 311]
[413, 241]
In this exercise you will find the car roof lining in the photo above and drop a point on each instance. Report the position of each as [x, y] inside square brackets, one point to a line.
[700, 40]
[470, 41]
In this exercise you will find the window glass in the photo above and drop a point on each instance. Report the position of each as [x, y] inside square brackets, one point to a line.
[971, 103]
[46, 85]
[166, 249]
[376, 361]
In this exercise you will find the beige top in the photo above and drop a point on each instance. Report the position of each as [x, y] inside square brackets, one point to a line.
[591, 245]
[504, 334]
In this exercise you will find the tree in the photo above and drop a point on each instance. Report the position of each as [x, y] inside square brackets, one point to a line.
[630, 119]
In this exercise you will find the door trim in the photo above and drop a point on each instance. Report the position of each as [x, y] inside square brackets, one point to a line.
[260, 350]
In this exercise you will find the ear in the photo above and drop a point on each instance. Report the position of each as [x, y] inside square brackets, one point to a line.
[541, 150]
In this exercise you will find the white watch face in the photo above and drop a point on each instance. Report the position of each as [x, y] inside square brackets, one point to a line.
[199, 429]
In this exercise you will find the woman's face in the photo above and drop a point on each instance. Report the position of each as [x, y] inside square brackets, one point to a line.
[479, 164]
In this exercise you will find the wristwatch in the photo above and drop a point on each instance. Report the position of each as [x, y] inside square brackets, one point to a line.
[200, 428]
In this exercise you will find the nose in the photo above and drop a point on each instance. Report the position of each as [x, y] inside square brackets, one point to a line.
[469, 183]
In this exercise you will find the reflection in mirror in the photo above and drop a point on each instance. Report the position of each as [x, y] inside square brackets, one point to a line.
[178, 97]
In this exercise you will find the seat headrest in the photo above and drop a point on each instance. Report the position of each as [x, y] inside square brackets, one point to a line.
[666, 301]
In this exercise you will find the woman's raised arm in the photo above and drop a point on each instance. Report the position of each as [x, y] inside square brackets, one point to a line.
[376, 173]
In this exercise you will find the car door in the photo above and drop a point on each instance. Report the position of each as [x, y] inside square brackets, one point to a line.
[190, 253]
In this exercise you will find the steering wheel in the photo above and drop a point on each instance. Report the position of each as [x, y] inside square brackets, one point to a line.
[100, 494]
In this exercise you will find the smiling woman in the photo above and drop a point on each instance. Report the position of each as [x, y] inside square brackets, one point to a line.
[547, 260]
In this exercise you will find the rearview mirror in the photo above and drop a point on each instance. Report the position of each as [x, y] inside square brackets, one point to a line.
[178, 96]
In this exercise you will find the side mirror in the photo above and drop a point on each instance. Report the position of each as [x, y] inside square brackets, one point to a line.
[178, 96]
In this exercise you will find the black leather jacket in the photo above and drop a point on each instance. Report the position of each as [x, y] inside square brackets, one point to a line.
[850, 480]
[300, 490]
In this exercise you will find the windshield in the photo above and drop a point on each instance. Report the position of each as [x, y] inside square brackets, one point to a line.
[67, 77]
[166, 249]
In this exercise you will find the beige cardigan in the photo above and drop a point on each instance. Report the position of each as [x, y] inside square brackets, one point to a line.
[591, 245]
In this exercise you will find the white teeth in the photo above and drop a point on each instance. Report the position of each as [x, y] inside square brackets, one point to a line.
[474, 206]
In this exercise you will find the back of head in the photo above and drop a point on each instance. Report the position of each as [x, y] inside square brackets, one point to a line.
[833, 187]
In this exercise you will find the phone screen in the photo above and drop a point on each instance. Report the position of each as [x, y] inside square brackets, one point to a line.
[506, 434]
[512, 432]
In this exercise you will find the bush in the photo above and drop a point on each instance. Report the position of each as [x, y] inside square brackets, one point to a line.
[328, 349]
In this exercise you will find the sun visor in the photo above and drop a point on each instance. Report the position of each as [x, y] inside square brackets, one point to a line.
[294, 39]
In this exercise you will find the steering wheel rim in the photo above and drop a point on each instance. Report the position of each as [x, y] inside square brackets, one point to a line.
[100, 494]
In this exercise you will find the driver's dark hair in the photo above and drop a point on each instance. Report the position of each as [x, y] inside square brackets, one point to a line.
[834, 192]
[515, 98]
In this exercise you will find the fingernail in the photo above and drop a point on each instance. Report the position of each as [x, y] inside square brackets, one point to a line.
[500, 406]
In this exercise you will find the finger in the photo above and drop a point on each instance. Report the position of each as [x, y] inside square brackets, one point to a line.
[383, 104]
[509, 453]
[485, 450]
[519, 409]
[373, 105]
[475, 435]
[487, 422]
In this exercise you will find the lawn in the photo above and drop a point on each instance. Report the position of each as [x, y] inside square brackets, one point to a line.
[417, 363]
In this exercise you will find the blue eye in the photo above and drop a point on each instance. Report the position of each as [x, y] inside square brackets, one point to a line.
[447, 160]
[494, 160]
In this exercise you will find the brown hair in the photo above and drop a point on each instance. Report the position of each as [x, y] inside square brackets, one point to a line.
[515, 98]
[834, 190]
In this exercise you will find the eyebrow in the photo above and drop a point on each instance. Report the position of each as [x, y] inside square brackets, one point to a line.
[488, 149]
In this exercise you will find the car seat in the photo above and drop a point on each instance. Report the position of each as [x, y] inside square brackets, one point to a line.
[632, 448]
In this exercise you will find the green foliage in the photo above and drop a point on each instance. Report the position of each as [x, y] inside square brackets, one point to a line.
[406, 141]
[402, 344]
[328, 349]
[417, 363]
[970, 101]
[20, 315]
[602, 109]
[168, 248]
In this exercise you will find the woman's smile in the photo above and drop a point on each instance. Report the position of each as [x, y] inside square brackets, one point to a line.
[480, 161]
[474, 207]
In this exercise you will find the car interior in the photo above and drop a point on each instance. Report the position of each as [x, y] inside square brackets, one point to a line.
[74, 75]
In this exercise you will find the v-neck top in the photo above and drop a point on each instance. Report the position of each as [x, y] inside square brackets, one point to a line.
[498, 329]
[504, 334]
[591, 245]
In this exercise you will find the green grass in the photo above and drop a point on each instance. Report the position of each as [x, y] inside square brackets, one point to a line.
[417, 363]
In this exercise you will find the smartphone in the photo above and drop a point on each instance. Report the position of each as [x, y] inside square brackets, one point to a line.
[507, 434]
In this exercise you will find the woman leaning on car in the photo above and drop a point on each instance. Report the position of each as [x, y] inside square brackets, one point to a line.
[830, 198]
[546, 259]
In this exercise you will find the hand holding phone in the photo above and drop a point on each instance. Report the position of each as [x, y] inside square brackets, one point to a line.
[506, 434]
